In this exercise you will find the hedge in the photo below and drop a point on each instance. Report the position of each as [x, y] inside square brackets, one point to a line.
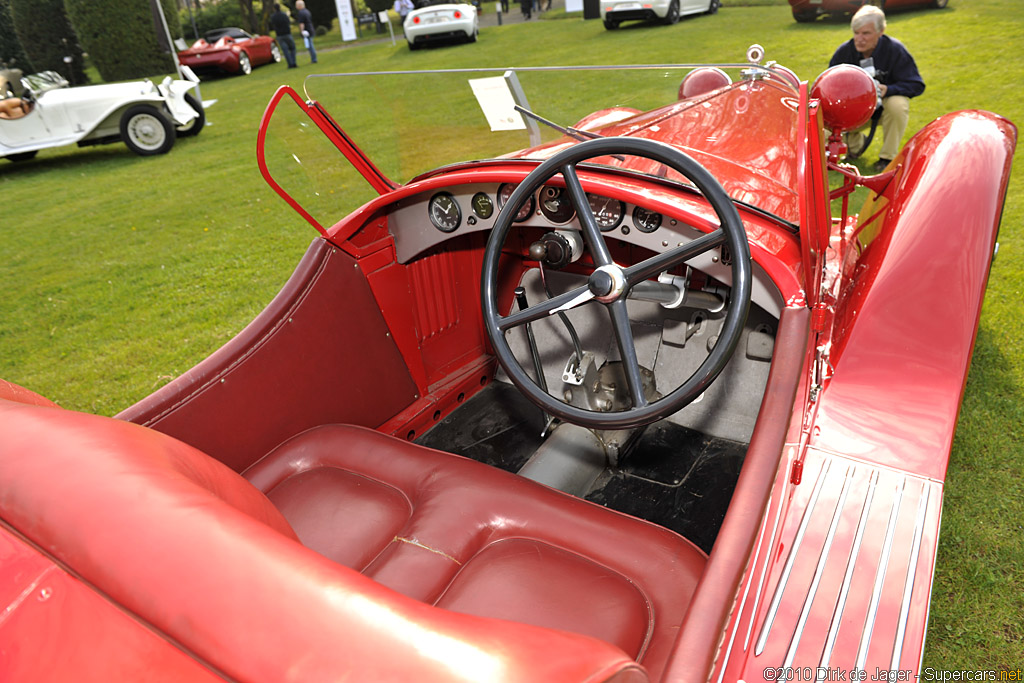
[47, 37]
[120, 36]
[11, 52]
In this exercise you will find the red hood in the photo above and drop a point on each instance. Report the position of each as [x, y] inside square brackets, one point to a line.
[745, 135]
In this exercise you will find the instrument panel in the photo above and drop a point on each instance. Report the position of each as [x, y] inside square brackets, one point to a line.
[425, 220]
[469, 208]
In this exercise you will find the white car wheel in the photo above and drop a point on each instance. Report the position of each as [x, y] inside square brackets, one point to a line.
[275, 53]
[244, 65]
[146, 131]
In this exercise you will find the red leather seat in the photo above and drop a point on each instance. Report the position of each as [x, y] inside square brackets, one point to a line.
[460, 535]
[205, 559]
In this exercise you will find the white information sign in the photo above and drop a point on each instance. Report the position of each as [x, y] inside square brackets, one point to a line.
[496, 101]
[345, 20]
[573, 5]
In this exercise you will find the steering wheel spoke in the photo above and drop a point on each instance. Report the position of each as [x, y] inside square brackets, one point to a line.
[672, 258]
[591, 232]
[627, 352]
[562, 302]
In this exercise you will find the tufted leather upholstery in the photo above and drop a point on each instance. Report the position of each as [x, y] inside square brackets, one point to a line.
[460, 535]
[191, 549]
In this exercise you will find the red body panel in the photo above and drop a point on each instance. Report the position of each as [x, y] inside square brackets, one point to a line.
[745, 135]
[884, 330]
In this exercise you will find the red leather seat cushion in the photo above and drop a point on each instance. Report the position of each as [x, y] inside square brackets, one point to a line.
[454, 533]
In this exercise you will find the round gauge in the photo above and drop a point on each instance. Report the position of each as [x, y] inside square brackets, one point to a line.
[555, 205]
[608, 212]
[445, 213]
[505, 193]
[482, 205]
[646, 221]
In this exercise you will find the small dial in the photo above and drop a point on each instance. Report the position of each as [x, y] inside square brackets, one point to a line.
[482, 205]
[505, 193]
[445, 213]
[556, 205]
[607, 212]
[646, 221]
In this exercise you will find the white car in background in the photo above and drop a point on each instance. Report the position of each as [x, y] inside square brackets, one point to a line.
[443, 22]
[41, 111]
[614, 12]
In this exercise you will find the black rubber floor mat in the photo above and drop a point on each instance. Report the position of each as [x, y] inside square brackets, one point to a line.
[677, 478]
[497, 427]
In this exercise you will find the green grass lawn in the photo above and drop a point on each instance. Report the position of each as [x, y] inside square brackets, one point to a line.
[118, 272]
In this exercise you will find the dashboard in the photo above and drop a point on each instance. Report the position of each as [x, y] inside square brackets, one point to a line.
[421, 222]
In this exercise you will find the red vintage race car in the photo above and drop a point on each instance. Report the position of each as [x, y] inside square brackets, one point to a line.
[809, 10]
[230, 50]
[640, 400]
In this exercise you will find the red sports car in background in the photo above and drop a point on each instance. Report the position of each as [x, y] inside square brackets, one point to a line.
[809, 10]
[230, 50]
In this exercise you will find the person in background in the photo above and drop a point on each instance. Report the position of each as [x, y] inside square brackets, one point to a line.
[305, 21]
[282, 26]
[402, 8]
[896, 79]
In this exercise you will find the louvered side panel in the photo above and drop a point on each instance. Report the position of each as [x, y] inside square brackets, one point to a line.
[434, 295]
[842, 577]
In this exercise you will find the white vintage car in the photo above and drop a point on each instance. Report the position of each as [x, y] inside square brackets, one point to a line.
[41, 111]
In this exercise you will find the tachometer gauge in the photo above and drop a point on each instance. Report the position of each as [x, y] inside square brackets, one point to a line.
[646, 221]
[556, 205]
[445, 213]
[525, 211]
[607, 212]
[483, 207]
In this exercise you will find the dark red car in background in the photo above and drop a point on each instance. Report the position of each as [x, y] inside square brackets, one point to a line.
[230, 50]
[809, 10]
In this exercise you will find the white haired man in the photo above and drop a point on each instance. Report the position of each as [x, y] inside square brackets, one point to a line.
[894, 71]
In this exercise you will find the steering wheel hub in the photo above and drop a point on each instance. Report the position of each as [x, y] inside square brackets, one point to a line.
[607, 283]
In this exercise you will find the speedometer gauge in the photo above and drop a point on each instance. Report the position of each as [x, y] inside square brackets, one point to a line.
[445, 213]
[607, 212]
[505, 193]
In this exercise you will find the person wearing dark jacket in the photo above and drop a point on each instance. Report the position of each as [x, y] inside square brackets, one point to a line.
[305, 20]
[282, 26]
[896, 77]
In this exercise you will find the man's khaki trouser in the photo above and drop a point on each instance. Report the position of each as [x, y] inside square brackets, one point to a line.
[895, 116]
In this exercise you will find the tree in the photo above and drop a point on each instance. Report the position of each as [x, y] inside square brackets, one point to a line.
[249, 16]
[50, 42]
[121, 36]
[11, 52]
[325, 11]
[256, 22]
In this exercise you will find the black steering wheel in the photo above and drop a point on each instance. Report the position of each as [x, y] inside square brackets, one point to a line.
[610, 283]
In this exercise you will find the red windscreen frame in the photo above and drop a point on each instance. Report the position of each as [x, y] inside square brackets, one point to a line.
[333, 132]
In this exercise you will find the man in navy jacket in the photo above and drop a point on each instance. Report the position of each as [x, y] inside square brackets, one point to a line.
[896, 77]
